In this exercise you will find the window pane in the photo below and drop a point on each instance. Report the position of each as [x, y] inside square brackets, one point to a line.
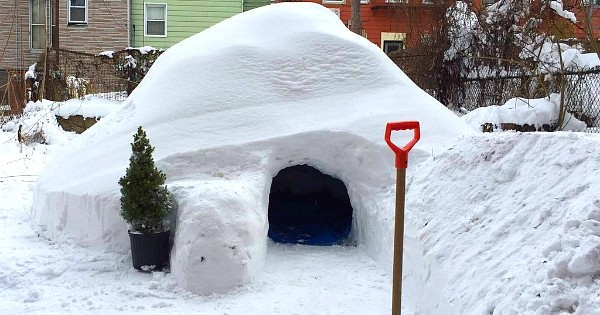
[52, 37]
[155, 28]
[38, 40]
[37, 12]
[155, 12]
[78, 3]
[53, 12]
[392, 45]
[77, 15]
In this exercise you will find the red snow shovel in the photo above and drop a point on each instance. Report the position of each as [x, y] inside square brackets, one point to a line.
[401, 164]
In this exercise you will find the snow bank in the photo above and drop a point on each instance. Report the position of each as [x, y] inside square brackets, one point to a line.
[511, 223]
[38, 124]
[227, 116]
[535, 112]
[89, 107]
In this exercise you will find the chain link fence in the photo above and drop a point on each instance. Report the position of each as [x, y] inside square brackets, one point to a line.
[581, 93]
[64, 74]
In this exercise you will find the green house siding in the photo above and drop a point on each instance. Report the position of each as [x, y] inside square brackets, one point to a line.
[184, 19]
[253, 4]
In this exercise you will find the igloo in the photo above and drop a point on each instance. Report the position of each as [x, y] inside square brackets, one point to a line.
[283, 86]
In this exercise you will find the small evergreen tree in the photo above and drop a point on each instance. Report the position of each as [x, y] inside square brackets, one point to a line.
[145, 200]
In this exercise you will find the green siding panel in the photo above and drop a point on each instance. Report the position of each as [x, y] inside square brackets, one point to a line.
[253, 4]
[184, 19]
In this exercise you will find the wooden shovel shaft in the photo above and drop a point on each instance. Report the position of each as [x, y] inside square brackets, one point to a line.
[398, 242]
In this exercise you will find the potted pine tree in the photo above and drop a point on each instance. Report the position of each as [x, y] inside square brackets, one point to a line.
[145, 204]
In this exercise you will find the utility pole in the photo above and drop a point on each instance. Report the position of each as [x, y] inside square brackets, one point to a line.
[356, 20]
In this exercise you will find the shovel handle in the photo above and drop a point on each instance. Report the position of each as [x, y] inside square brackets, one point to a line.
[402, 153]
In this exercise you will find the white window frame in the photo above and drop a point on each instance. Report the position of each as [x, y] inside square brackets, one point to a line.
[396, 1]
[85, 21]
[146, 18]
[342, 1]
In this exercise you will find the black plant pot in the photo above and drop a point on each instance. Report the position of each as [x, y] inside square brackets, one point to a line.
[150, 251]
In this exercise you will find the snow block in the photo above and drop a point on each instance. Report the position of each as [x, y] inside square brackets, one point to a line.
[218, 236]
[225, 117]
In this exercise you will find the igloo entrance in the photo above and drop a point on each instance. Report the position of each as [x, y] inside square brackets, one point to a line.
[308, 207]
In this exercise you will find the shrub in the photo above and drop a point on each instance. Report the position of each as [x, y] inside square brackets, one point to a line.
[145, 200]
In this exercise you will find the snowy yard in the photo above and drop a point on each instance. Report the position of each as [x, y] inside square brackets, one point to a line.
[500, 223]
[503, 223]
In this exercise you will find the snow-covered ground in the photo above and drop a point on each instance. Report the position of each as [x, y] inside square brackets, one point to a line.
[503, 223]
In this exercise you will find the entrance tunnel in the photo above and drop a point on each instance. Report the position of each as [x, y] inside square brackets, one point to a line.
[308, 207]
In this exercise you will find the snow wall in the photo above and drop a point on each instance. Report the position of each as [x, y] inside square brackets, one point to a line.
[291, 85]
[506, 224]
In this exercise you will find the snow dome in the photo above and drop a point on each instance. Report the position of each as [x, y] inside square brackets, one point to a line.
[283, 86]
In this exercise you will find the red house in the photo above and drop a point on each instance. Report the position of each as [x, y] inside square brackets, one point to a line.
[397, 24]
[391, 24]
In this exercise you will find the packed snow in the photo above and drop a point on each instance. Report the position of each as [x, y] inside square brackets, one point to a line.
[227, 116]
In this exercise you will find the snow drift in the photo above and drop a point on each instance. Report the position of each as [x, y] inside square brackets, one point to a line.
[508, 224]
[291, 85]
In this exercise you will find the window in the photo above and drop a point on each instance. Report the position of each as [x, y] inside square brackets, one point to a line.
[391, 42]
[390, 46]
[38, 24]
[52, 23]
[396, 1]
[155, 19]
[77, 11]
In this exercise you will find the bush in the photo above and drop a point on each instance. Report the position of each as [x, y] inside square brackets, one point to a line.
[145, 200]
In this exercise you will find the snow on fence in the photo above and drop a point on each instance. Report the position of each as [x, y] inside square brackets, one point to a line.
[582, 97]
[63, 74]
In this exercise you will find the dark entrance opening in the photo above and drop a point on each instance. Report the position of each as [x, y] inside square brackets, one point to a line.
[308, 207]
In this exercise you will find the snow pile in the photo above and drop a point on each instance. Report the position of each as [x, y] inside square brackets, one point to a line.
[89, 107]
[511, 222]
[38, 124]
[30, 74]
[107, 53]
[227, 116]
[535, 112]
[143, 50]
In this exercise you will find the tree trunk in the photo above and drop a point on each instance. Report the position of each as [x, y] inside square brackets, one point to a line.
[356, 20]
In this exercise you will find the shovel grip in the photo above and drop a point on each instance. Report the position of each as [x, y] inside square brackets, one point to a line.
[402, 153]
